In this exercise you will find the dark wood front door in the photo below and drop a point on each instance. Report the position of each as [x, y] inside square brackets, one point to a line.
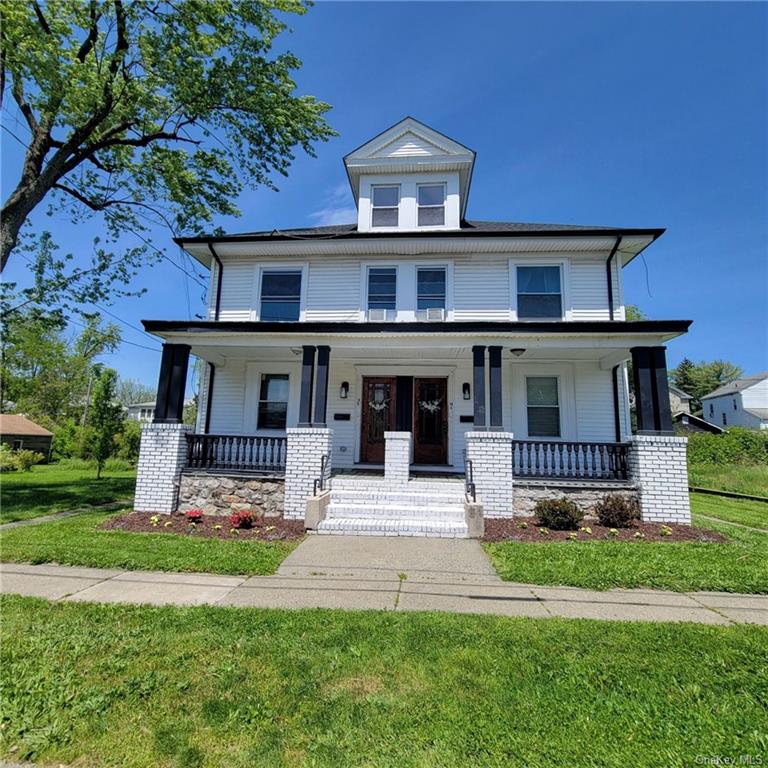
[430, 421]
[378, 416]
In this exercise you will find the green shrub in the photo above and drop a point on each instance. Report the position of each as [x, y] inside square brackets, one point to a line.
[75, 463]
[24, 460]
[614, 511]
[128, 441]
[7, 463]
[117, 465]
[736, 446]
[558, 514]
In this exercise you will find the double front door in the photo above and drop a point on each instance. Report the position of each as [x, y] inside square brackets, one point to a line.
[405, 404]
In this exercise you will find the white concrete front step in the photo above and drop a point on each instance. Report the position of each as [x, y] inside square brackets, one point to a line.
[406, 498]
[357, 483]
[394, 510]
[363, 526]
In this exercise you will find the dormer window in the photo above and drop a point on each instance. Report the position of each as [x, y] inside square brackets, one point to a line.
[386, 203]
[431, 201]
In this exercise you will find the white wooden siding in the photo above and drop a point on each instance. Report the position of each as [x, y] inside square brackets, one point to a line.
[409, 144]
[228, 399]
[594, 403]
[481, 287]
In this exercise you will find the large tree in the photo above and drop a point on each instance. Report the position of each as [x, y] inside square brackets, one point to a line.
[699, 379]
[149, 112]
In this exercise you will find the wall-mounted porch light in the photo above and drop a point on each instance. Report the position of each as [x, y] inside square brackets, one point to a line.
[465, 390]
[344, 390]
[517, 352]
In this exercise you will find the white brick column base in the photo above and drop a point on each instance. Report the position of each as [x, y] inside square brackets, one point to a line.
[659, 468]
[397, 457]
[162, 454]
[304, 452]
[491, 457]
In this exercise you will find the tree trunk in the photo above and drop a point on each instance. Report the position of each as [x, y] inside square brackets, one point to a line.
[17, 208]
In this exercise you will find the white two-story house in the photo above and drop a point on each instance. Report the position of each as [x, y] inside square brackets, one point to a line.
[414, 319]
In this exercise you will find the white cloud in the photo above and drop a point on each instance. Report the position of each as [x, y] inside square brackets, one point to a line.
[337, 209]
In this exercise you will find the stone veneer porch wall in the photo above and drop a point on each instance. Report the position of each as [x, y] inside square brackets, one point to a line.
[218, 494]
[585, 496]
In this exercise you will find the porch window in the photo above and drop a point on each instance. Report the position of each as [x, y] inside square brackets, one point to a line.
[539, 293]
[382, 287]
[431, 205]
[543, 406]
[431, 289]
[280, 295]
[273, 401]
[385, 205]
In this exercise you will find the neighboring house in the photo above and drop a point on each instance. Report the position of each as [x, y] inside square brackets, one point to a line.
[145, 412]
[679, 401]
[686, 423]
[18, 432]
[413, 337]
[142, 412]
[742, 403]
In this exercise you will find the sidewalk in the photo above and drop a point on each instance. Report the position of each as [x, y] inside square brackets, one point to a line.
[379, 589]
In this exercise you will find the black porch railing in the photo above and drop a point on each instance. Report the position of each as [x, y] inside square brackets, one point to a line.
[236, 453]
[581, 460]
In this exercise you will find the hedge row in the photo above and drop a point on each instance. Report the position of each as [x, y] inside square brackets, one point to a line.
[736, 446]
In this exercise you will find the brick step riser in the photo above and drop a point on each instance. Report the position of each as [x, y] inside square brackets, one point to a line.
[382, 487]
[392, 527]
[383, 513]
[396, 499]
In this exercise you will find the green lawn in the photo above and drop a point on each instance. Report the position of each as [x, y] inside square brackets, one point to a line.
[738, 566]
[49, 488]
[753, 513]
[77, 541]
[135, 687]
[737, 478]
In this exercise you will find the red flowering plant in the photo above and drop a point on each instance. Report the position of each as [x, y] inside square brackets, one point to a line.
[194, 515]
[241, 519]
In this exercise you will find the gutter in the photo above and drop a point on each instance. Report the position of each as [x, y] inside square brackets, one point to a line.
[609, 275]
[219, 274]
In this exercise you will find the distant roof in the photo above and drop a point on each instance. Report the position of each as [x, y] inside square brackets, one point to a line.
[761, 413]
[689, 418]
[468, 227]
[738, 385]
[679, 392]
[16, 424]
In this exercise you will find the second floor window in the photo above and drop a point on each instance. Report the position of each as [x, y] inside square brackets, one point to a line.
[539, 293]
[273, 401]
[430, 289]
[382, 288]
[280, 295]
[386, 202]
[543, 406]
[431, 205]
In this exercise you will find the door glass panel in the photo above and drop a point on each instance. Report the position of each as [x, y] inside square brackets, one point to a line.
[429, 404]
[379, 404]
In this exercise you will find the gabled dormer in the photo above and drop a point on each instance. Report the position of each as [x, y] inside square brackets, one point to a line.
[410, 178]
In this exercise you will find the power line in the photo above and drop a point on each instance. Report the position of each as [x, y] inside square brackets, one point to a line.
[122, 341]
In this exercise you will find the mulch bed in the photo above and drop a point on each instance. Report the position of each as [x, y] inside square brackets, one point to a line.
[264, 529]
[525, 529]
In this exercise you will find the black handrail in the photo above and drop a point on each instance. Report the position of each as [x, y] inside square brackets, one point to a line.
[569, 459]
[319, 482]
[236, 453]
[469, 479]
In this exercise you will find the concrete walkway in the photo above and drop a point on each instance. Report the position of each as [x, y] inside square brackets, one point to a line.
[363, 572]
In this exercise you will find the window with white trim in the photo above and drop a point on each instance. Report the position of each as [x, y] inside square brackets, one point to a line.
[431, 204]
[280, 295]
[385, 204]
[382, 288]
[539, 293]
[430, 288]
[273, 401]
[543, 404]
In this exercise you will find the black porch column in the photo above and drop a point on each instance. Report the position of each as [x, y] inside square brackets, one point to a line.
[478, 385]
[307, 376]
[649, 371]
[494, 365]
[321, 387]
[169, 404]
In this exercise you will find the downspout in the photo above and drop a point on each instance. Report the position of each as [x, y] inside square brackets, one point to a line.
[616, 406]
[219, 272]
[609, 275]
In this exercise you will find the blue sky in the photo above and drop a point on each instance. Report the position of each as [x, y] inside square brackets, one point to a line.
[642, 115]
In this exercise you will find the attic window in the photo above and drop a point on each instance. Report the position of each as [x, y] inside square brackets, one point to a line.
[386, 201]
[431, 205]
